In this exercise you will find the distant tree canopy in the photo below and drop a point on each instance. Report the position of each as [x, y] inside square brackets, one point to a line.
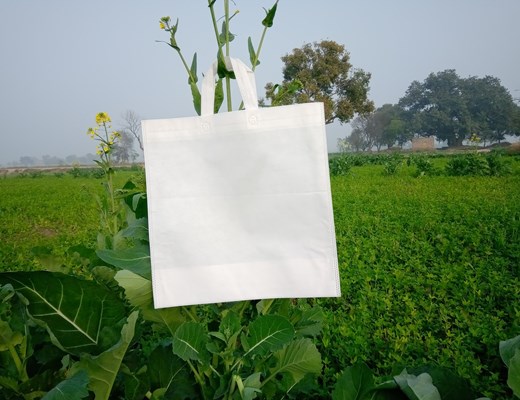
[453, 108]
[323, 72]
[384, 127]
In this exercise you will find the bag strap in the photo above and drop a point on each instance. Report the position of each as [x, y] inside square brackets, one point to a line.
[245, 80]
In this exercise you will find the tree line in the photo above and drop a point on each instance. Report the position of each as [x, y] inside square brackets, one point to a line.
[444, 105]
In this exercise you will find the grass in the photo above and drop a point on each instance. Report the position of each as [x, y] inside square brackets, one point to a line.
[429, 266]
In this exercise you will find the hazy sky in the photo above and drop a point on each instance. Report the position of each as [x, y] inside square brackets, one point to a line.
[62, 61]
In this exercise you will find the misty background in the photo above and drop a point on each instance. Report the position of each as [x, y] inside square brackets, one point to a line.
[62, 62]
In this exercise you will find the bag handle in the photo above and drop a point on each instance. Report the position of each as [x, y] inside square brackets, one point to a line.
[246, 85]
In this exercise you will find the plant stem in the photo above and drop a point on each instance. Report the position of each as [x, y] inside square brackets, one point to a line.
[228, 80]
[188, 70]
[259, 49]
[214, 20]
[197, 378]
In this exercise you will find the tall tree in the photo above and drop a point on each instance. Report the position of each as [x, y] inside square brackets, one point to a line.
[492, 108]
[324, 73]
[438, 107]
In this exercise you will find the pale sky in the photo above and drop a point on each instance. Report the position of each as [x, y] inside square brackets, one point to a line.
[62, 61]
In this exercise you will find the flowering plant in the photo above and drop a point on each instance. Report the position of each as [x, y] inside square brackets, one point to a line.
[109, 206]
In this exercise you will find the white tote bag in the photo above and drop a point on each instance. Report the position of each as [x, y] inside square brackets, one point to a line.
[239, 203]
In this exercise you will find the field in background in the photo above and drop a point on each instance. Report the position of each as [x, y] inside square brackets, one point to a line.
[429, 266]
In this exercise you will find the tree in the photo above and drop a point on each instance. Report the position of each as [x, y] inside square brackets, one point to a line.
[123, 150]
[383, 127]
[132, 125]
[359, 138]
[492, 108]
[324, 73]
[453, 108]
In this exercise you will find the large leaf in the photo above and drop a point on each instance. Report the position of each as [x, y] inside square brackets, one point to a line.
[508, 349]
[449, 385]
[74, 387]
[268, 333]
[354, 383]
[298, 358]
[513, 376]
[135, 259]
[80, 316]
[417, 387]
[138, 292]
[102, 370]
[189, 342]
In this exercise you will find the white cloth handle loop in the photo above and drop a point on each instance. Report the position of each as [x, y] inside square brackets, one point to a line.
[245, 80]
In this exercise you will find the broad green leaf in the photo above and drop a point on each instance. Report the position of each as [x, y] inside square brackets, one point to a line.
[268, 333]
[138, 291]
[189, 342]
[80, 316]
[270, 14]
[513, 376]
[135, 259]
[250, 387]
[74, 387]
[417, 387]
[508, 349]
[310, 323]
[137, 230]
[354, 383]
[169, 372]
[137, 384]
[449, 385]
[102, 370]
[230, 324]
[298, 358]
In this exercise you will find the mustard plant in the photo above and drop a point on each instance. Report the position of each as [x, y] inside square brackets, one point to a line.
[109, 205]
[223, 39]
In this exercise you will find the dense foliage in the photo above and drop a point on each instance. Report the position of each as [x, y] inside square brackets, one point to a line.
[429, 273]
[324, 73]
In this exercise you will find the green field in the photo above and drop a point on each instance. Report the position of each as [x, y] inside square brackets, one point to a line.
[430, 266]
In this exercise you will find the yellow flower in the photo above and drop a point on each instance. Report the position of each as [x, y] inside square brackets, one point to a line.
[91, 132]
[106, 149]
[102, 117]
[161, 25]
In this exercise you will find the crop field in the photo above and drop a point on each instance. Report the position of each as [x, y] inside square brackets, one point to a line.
[430, 265]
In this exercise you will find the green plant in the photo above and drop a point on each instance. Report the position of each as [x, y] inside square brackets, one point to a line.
[223, 39]
[340, 165]
[510, 353]
[425, 383]
[112, 217]
[391, 166]
[424, 164]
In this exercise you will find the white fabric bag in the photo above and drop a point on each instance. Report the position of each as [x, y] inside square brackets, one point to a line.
[239, 203]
